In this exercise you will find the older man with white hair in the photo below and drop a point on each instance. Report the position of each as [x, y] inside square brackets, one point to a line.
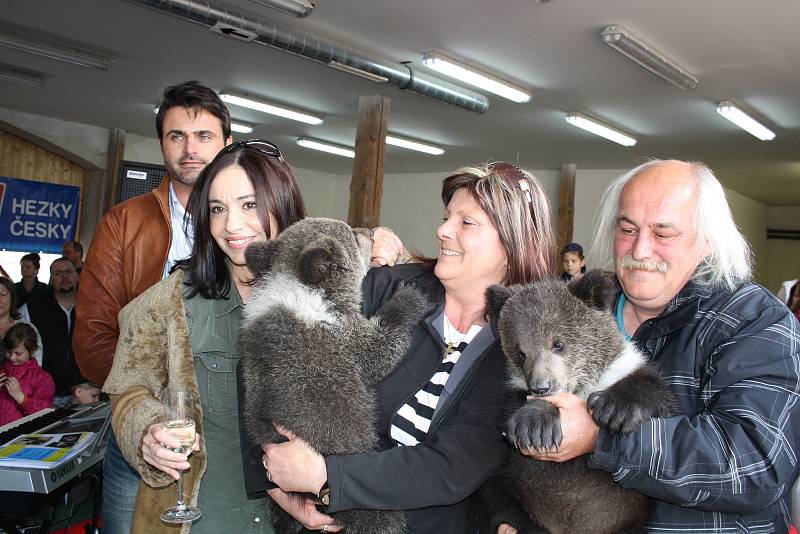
[729, 349]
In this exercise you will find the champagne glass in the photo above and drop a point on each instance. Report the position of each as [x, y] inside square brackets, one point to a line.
[179, 421]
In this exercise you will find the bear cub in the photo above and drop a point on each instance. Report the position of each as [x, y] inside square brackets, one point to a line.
[310, 360]
[556, 338]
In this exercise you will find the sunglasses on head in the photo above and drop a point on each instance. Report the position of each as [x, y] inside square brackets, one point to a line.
[259, 145]
[513, 176]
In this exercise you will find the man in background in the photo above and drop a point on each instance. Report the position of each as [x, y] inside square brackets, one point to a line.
[53, 314]
[74, 251]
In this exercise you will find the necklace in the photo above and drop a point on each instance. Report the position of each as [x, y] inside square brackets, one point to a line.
[450, 334]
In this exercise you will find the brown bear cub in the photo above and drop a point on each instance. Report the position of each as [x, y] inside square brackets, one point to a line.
[556, 338]
[310, 360]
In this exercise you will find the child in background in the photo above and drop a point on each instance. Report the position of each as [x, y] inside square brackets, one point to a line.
[84, 393]
[25, 388]
[572, 261]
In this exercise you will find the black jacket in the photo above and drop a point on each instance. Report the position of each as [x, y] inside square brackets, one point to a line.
[39, 290]
[58, 358]
[432, 480]
[726, 464]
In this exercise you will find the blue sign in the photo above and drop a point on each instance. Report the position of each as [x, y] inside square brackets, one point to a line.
[37, 216]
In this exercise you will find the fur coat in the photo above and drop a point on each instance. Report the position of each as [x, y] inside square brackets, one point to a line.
[153, 353]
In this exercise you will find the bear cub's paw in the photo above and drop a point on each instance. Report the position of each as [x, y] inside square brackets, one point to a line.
[624, 406]
[536, 425]
[407, 307]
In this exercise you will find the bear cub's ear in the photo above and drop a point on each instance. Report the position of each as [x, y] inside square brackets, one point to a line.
[596, 288]
[258, 256]
[318, 260]
[496, 297]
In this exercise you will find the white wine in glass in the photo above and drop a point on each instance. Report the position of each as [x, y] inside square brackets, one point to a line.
[179, 422]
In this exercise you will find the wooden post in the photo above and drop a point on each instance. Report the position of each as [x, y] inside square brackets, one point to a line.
[366, 185]
[566, 203]
[116, 150]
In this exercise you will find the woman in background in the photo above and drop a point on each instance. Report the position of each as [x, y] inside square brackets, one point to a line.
[10, 315]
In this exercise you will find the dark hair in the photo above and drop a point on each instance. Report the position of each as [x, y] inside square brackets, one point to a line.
[795, 289]
[12, 295]
[197, 97]
[573, 247]
[21, 333]
[276, 192]
[61, 259]
[33, 258]
[76, 245]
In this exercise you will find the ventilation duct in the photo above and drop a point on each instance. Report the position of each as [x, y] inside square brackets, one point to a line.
[317, 49]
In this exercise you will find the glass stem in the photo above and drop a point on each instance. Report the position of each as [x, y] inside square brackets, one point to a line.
[181, 505]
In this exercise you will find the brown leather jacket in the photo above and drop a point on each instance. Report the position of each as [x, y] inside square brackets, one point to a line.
[128, 253]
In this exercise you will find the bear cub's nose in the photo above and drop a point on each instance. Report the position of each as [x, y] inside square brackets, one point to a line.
[540, 387]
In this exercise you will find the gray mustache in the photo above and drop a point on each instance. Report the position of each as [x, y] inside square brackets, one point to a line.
[630, 264]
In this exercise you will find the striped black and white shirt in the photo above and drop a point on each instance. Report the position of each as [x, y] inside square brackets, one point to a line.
[411, 422]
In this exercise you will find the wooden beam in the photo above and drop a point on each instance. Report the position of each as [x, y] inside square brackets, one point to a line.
[366, 185]
[116, 151]
[566, 203]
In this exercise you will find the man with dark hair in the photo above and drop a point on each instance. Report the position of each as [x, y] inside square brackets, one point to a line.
[74, 251]
[53, 314]
[134, 246]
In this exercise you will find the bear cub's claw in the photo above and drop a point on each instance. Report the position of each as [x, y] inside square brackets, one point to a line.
[536, 425]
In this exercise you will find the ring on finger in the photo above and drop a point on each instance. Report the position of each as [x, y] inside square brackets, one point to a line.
[324, 529]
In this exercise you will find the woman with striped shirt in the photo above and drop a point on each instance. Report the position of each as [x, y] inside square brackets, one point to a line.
[441, 410]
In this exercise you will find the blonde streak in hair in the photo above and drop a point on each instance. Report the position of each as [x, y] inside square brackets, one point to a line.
[496, 195]
[542, 233]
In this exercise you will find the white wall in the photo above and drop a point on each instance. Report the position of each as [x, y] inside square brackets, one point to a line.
[589, 187]
[86, 143]
[142, 149]
[411, 203]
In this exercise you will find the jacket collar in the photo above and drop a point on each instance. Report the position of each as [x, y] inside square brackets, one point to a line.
[679, 310]
[162, 196]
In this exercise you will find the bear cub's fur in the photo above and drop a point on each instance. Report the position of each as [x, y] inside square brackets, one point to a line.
[310, 360]
[559, 337]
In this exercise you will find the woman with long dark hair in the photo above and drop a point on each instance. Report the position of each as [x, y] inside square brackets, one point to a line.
[183, 332]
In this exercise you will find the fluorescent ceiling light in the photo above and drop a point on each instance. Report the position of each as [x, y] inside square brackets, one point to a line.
[727, 109]
[598, 128]
[10, 74]
[241, 128]
[68, 54]
[269, 108]
[413, 145]
[630, 45]
[298, 8]
[450, 67]
[325, 147]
